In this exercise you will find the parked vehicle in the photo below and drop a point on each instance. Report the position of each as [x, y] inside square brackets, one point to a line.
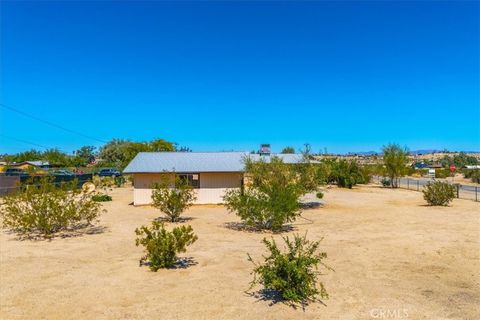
[15, 172]
[109, 173]
[63, 173]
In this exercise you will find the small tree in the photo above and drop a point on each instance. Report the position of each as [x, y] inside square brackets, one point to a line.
[438, 193]
[272, 195]
[45, 208]
[395, 160]
[288, 150]
[292, 273]
[173, 200]
[346, 173]
[162, 246]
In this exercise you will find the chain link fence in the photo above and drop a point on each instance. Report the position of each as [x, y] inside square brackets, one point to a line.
[463, 191]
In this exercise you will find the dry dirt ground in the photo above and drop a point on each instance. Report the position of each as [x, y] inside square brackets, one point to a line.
[393, 257]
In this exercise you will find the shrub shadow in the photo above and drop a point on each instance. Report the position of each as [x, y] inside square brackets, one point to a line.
[181, 263]
[273, 297]
[73, 232]
[311, 205]
[242, 226]
[179, 219]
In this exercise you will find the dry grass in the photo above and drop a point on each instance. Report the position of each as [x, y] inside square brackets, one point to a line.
[389, 251]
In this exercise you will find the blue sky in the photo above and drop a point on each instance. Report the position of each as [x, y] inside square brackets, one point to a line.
[346, 76]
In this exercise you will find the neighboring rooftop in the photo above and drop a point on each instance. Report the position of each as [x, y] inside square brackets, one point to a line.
[156, 162]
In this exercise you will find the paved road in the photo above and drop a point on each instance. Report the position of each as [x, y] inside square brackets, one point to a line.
[465, 191]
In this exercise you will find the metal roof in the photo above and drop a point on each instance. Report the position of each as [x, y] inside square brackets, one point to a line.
[156, 162]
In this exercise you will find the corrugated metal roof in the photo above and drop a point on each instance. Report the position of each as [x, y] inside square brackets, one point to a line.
[154, 162]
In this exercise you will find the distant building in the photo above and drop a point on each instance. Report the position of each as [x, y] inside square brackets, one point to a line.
[210, 173]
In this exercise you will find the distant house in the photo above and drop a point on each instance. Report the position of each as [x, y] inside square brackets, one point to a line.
[25, 165]
[210, 173]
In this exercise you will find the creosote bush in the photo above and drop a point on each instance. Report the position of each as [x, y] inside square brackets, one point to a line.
[293, 273]
[45, 208]
[101, 197]
[473, 174]
[438, 193]
[162, 246]
[173, 199]
[271, 197]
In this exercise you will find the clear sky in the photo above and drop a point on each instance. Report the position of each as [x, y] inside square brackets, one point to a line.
[346, 76]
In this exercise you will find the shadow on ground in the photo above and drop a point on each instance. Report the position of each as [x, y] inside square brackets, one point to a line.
[242, 226]
[273, 297]
[73, 232]
[179, 219]
[182, 263]
[311, 205]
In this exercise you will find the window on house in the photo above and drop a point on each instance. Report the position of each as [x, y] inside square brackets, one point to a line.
[193, 179]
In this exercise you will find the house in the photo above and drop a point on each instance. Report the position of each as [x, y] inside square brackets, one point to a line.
[36, 166]
[210, 173]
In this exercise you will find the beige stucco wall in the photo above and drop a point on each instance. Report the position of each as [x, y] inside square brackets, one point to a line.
[211, 191]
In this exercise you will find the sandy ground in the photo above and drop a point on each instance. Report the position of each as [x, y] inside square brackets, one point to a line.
[393, 258]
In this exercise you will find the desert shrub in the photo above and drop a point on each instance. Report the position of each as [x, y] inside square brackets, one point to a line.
[346, 173]
[385, 182]
[292, 273]
[442, 173]
[173, 199]
[119, 181]
[272, 196]
[438, 193]
[45, 208]
[473, 174]
[475, 177]
[365, 175]
[319, 195]
[101, 197]
[162, 246]
[103, 182]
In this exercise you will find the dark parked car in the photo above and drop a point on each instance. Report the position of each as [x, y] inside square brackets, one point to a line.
[109, 173]
[15, 172]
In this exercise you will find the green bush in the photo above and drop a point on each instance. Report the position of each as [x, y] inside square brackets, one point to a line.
[119, 181]
[271, 195]
[103, 182]
[475, 177]
[346, 173]
[293, 273]
[101, 197]
[473, 174]
[173, 200]
[320, 195]
[442, 173]
[45, 208]
[385, 182]
[438, 193]
[162, 246]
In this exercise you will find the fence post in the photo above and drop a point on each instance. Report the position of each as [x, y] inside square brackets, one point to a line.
[408, 184]
[418, 185]
[458, 190]
[476, 194]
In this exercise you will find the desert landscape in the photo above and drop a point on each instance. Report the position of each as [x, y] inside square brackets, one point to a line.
[392, 256]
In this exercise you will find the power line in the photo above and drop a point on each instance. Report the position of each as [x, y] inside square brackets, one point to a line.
[50, 123]
[24, 141]
[28, 142]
